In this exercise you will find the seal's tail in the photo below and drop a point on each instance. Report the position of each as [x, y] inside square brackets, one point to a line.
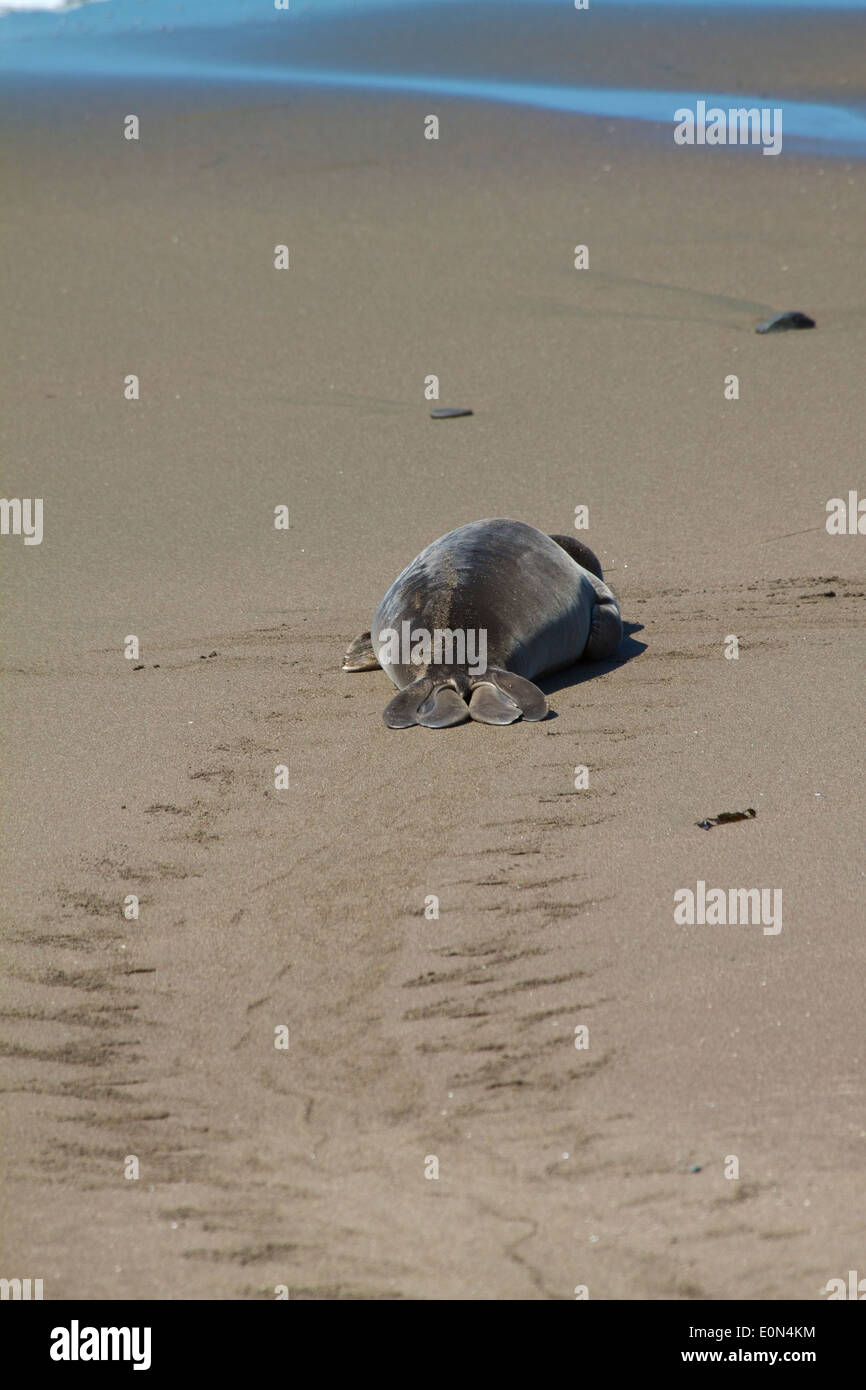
[498, 697]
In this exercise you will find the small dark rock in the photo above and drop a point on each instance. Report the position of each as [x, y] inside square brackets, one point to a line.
[138, 668]
[790, 318]
[448, 412]
[156, 666]
[213, 654]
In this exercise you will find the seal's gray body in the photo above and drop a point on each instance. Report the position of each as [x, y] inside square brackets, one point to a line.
[540, 600]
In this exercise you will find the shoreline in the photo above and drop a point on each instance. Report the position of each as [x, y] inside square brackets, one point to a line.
[586, 63]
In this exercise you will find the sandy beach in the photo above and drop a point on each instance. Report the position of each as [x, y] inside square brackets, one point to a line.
[304, 909]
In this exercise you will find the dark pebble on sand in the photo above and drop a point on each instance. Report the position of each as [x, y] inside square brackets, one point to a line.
[138, 668]
[448, 412]
[725, 818]
[790, 318]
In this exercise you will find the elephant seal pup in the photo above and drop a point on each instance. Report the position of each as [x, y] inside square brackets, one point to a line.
[477, 614]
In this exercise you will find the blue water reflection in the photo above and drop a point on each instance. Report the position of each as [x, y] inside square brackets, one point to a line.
[185, 41]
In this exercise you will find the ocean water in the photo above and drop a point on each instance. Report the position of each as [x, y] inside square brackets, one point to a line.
[333, 44]
[204, 11]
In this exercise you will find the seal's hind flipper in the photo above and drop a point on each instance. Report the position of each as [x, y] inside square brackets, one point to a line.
[402, 711]
[443, 708]
[498, 697]
[581, 553]
[423, 703]
[491, 705]
[360, 655]
[506, 696]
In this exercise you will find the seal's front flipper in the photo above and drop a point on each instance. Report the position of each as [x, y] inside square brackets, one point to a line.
[423, 703]
[605, 633]
[500, 697]
[605, 627]
[360, 655]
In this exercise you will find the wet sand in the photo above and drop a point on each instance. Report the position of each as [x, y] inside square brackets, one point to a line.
[304, 908]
